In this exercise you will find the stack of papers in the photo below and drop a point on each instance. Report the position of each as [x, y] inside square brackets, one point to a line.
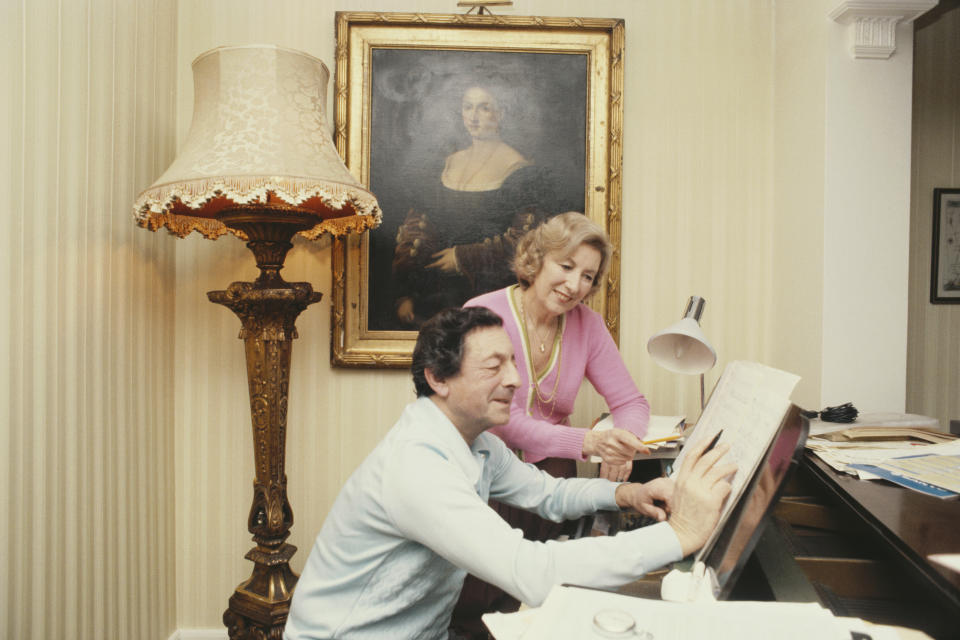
[895, 425]
[869, 435]
[915, 456]
[571, 613]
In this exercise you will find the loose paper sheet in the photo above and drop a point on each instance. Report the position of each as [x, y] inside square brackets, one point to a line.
[948, 560]
[942, 471]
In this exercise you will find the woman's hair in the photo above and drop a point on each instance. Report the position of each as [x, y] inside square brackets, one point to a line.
[563, 233]
[500, 93]
[440, 343]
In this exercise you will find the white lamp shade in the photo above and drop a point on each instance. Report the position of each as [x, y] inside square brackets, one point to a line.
[682, 348]
[259, 135]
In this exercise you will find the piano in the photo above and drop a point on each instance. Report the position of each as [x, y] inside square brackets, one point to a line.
[861, 549]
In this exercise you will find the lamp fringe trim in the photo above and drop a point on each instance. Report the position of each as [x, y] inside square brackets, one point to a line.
[343, 208]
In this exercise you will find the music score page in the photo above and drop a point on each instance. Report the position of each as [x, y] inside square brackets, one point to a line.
[748, 404]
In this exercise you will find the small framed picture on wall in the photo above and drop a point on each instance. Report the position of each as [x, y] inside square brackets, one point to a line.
[945, 263]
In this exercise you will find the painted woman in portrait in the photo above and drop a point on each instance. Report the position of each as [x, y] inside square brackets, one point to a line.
[468, 150]
[457, 239]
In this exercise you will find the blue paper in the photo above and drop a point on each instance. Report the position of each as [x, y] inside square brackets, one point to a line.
[909, 483]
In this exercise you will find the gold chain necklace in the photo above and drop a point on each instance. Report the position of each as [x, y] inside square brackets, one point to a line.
[542, 400]
[543, 340]
[526, 321]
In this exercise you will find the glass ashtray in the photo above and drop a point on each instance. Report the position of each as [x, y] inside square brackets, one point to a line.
[617, 623]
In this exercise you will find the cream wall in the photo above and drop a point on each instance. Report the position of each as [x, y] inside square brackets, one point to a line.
[86, 330]
[866, 217]
[799, 112]
[933, 372]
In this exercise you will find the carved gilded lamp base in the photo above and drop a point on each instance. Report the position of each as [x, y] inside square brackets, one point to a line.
[267, 309]
[258, 608]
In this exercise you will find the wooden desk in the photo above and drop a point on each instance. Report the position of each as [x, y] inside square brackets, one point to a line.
[863, 545]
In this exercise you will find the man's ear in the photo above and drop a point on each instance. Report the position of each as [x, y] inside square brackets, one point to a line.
[439, 387]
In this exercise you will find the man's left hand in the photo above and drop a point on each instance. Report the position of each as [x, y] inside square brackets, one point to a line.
[641, 497]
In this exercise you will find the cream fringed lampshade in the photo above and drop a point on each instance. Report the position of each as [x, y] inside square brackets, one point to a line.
[259, 136]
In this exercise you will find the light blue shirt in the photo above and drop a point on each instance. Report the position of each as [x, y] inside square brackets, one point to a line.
[413, 519]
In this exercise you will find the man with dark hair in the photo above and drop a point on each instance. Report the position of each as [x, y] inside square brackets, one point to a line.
[440, 344]
[413, 519]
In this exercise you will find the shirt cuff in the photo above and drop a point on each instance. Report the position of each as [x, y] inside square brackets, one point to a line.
[607, 496]
[659, 545]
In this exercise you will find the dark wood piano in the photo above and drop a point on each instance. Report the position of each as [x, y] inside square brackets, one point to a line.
[860, 548]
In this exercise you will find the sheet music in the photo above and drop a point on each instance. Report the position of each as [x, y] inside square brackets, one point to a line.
[748, 403]
[568, 614]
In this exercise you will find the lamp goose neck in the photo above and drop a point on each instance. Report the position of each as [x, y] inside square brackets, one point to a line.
[694, 308]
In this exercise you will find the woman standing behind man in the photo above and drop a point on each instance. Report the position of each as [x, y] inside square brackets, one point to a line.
[558, 342]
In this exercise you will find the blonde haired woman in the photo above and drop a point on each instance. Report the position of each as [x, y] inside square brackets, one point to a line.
[558, 341]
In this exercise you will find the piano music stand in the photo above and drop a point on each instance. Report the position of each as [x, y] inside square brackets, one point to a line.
[732, 548]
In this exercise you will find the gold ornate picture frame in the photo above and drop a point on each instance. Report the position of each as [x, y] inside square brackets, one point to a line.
[404, 84]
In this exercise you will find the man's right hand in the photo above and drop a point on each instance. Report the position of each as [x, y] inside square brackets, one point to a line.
[701, 487]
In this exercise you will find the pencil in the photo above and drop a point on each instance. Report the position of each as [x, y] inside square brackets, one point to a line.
[675, 436]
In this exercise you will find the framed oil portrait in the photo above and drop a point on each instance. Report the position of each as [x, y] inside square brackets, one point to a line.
[470, 130]
[945, 264]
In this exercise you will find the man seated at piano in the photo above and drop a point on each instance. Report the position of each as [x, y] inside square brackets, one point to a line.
[413, 519]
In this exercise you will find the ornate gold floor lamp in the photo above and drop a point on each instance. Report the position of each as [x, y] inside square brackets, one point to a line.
[258, 162]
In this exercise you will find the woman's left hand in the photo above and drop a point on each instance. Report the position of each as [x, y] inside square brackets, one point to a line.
[616, 472]
[445, 260]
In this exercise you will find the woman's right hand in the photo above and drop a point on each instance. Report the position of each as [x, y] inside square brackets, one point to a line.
[616, 473]
[614, 446]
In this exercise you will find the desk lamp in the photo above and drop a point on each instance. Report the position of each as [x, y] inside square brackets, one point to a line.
[682, 347]
[259, 163]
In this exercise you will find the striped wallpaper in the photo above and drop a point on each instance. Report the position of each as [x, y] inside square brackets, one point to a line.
[933, 355]
[86, 440]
